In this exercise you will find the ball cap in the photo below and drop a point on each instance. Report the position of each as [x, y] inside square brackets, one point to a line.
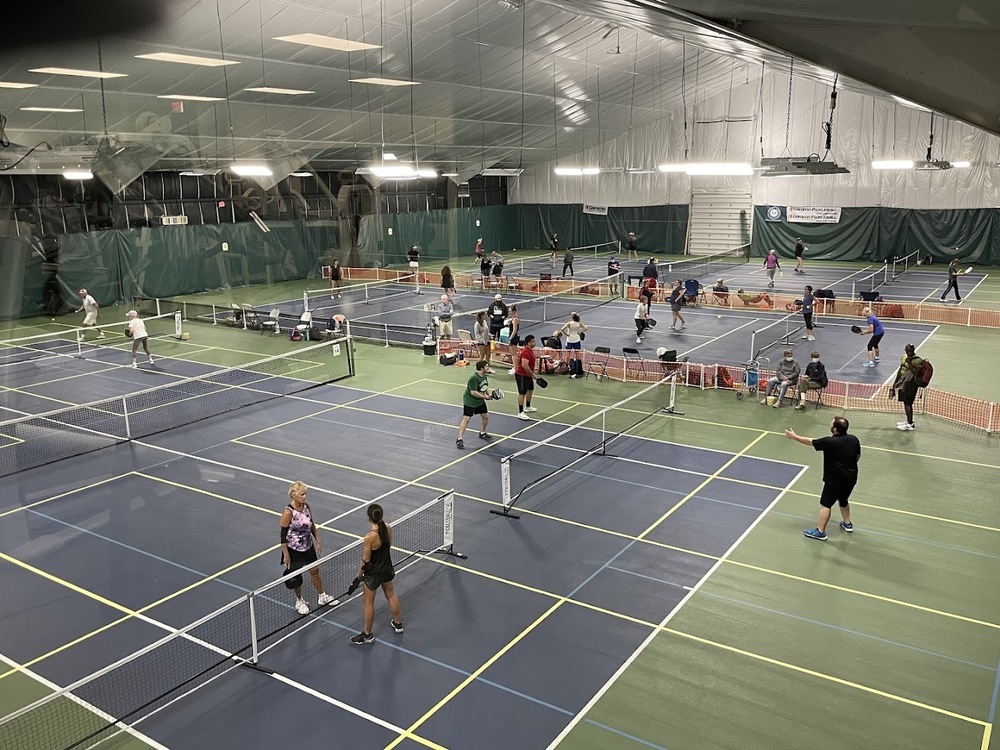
[131, 314]
[498, 296]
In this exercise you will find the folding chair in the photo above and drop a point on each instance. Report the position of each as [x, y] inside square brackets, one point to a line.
[692, 291]
[304, 324]
[479, 280]
[250, 318]
[598, 363]
[511, 284]
[271, 323]
[633, 361]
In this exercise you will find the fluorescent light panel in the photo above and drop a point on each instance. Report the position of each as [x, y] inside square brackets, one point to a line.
[893, 164]
[78, 73]
[385, 82]
[49, 109]
[13, 85]
[208, 62]
[576, 171]
[961, 164]
[78, 174]
[301, 174]
[389, 157]
[251, 170]
[273, 90]
[908, 103]
[326, 42]
[190, 98]
[401, 172]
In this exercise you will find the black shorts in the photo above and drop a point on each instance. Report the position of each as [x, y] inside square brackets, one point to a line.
[835, 493]
[495, 331]
[469, 411]
[298, 559]
[515, 340]
[907, 393]
[525, 384]
[874, 341]
[808, 318]
[798, 253]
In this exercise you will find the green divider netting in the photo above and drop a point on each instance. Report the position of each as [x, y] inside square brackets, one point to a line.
[877, 234]
[658, 229]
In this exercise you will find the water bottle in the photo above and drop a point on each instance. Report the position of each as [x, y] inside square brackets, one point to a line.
[461, 355]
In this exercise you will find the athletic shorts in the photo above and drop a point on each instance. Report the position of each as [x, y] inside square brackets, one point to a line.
[874, 341]
[808, 318]
[676, 306]
[298, 560]
[469, 411]
[444, 328]
[525, 384]
[90, 319]
[835, 493]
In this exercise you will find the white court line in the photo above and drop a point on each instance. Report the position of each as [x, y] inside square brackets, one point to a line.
[649, 639]
[985, 275]
[717, 338]
[93, 709]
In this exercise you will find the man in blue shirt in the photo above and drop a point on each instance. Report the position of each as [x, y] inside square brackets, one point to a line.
[807, 313]
[876, 330]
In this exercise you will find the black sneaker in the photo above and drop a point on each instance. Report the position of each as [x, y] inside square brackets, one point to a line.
[485, 436]
[397, 626]
[362, 639]
[460, 444]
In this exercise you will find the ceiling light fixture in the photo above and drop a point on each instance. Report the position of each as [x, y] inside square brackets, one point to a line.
[449, 174]
[893, 164]
[384, 81]
[501, 172]
[208, 62]
[327, 42]
[251, 170]
[911, 105]
[49, 109]
[301, 174]
[273, 90]
[78, 73]
[388, 156]
[190, 98]
[78, 174]
[961, 164]
[12, 85]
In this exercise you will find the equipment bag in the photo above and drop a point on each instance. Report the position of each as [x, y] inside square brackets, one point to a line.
[926, 373]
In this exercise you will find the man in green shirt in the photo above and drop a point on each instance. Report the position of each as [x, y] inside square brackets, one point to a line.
[477, 393]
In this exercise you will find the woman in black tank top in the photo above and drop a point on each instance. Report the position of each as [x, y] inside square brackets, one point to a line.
[376, 570]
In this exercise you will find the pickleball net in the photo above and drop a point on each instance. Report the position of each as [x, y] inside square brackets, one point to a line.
[117, 698]
[32, 441]
[529, 467]
[704, 265]
[905, 264]
[535, 263]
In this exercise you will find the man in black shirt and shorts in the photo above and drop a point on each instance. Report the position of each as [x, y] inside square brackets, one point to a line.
[497, 312]
[841, 453]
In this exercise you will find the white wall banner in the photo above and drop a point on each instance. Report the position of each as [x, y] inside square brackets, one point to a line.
[812, 214]
[591, 209]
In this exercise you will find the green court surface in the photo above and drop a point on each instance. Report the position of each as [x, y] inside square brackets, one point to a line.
[885, 638]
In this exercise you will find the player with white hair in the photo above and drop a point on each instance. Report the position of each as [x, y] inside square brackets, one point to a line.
[92, 310]
[136, 331]
[443, 312]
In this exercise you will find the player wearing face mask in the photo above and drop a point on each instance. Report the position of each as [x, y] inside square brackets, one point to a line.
[786, 374]
[813, 379]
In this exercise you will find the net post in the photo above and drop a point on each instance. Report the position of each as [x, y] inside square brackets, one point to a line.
[158, 306]
[385, 327]
[79, 343]
[506, 500]
[254, 661]
[448, 519]
[128, 426]
[671, 408]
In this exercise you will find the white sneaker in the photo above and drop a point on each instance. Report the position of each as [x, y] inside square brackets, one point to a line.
[134, 366]
[150, 360]
[683, 326]
[101, 335]
[806, 337]
[573, 376]
[638, 340]
[523, 417]
[301, 607]
[900, 424]
[325, 599]
[906, 427]
[763, 400]
[810, 338]
[530, 408]
[510, 371]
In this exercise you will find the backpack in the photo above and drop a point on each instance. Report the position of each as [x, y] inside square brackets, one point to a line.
[294, 334]
[926, 373]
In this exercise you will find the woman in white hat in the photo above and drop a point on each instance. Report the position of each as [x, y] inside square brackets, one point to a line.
[136, 330]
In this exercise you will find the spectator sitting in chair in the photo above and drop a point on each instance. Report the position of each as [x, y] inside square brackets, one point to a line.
[720, 290]
[485, 265]
[554, 341]
[813, 379]
[786, 374]
[497, 264]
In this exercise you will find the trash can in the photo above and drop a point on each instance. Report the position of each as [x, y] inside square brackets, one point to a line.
[430, 347]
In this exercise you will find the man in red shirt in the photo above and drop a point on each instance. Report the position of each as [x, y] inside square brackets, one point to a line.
[524, 374]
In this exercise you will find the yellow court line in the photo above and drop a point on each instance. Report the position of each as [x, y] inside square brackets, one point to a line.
[908, 513]
[62, 582]
[475, 675]
[987, 731]
[703, 484]
[217, 496]
[826, 677]
[63, 647]
[866, 594]
[66, 494]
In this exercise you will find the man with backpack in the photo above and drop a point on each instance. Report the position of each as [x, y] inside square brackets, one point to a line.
[914, 373]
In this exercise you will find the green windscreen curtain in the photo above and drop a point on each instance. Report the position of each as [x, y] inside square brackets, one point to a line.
[658, 229]
[877, 234]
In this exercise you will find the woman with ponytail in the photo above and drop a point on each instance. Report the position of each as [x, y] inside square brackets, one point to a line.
[376, 571]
